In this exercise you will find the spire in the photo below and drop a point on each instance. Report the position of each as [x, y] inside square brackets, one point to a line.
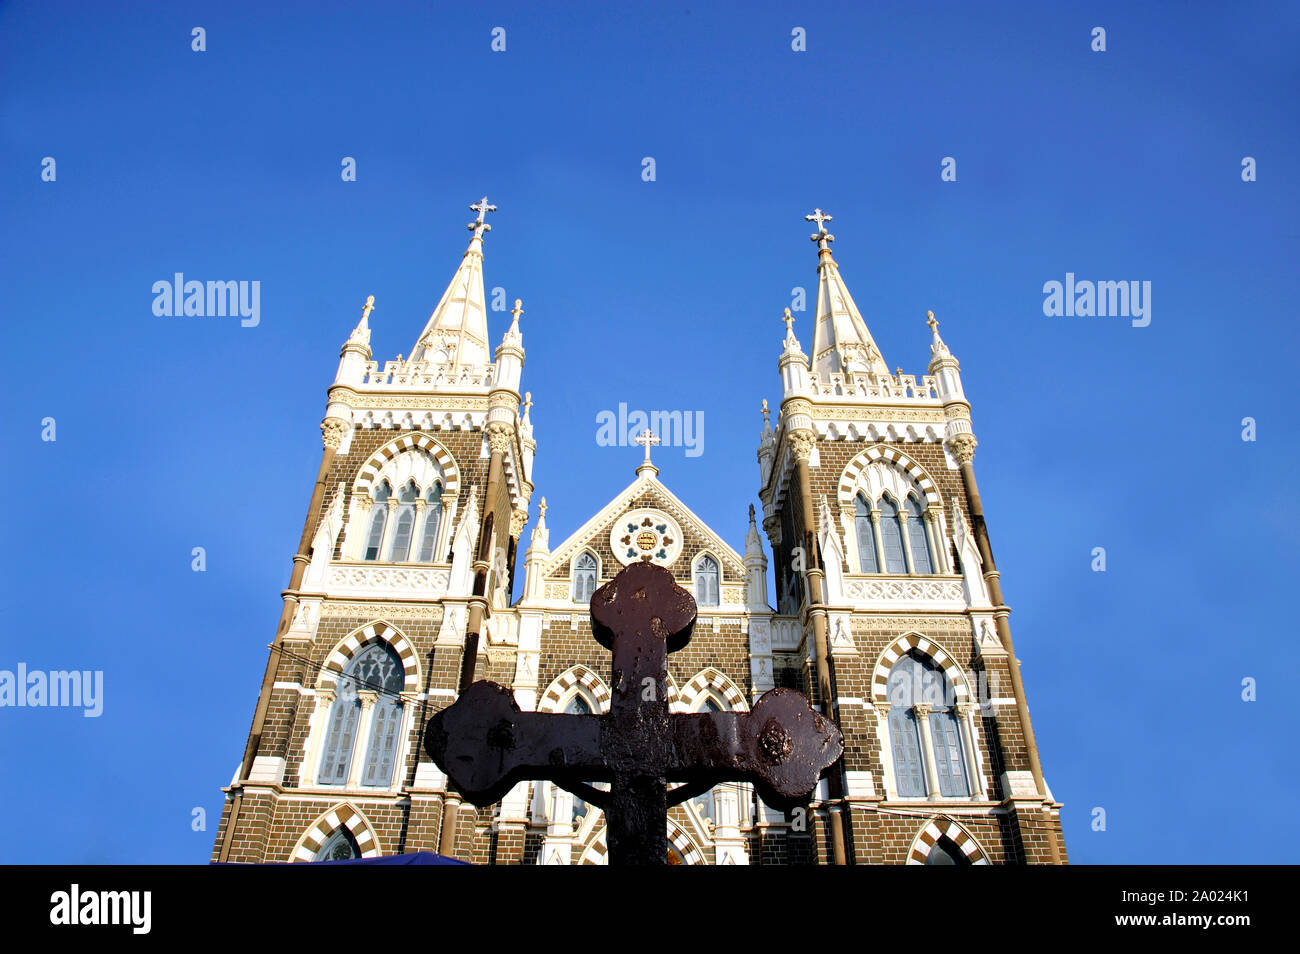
[541, 537]
[361, 333]
[937, 348]
[841, 340]
[457, 329]
[753, 543]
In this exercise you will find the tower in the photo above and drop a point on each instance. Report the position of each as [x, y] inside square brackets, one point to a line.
[405, 559]
[889, 605]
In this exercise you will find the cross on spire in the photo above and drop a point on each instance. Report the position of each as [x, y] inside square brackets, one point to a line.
[821, 236]
[368, 307]
[478, 226]
[646, 440]
[930, 320]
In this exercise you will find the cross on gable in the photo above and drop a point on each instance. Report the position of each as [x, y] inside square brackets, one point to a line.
[646, 440]
[486, 744]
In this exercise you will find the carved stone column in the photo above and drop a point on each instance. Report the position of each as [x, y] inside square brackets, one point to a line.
[922, 712]
[802, 443]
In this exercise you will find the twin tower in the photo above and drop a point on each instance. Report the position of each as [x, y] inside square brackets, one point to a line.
[881, 601]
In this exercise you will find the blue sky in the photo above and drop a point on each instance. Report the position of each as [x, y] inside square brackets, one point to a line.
[225, 164]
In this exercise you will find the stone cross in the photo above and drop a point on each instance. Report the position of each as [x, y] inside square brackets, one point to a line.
[930, 320]
[486, 744]
[646, 439]
[368, 307]
[478, 226]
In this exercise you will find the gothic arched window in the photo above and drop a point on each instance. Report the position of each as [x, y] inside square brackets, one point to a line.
[916, 681]
[375, 669]
[706, 804]
[946, 852]
[378, 517]
[399, 548]
[339, 846]
[584, 577]
[891, 535]
[578, 706]
[866, 536]
[917, 538]
[432, 521]
[706, 582]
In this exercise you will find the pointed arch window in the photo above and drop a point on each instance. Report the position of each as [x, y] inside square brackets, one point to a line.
[578, 706]
[378, 672]
[707, 804]
[891, 535]
[432, 521]
[866, 536]
[946, 852]
[917, 539]
[399, 547]
[340, 846]
[706, 582]
[378, 518]
[584, 577]
[919, 690]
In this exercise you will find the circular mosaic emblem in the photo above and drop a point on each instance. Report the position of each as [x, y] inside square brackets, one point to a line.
[649, 535]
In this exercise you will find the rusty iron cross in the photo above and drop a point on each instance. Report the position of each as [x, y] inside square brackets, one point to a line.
[486, 744]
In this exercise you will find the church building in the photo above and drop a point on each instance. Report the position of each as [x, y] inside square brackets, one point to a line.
[866, 581]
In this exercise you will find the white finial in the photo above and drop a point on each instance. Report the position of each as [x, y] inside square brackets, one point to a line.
[478, 226]
[789, 323]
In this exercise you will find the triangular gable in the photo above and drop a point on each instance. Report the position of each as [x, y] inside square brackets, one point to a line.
[668, 502]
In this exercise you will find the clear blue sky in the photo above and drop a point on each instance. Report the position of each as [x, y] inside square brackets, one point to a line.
[225, 164]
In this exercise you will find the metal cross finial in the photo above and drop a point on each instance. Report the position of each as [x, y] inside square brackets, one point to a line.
[789, 322]
[820, 217]
[929, 320]
[647, 439]
[478, 226]
[821, 236]
[368, 307]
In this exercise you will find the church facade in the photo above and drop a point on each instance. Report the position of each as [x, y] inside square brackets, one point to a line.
[880, 601]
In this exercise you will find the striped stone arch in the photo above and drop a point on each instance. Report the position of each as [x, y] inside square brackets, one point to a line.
[712, 679]
[400, 445]
[351, 644]
[563, 684]
[340, 816]
[936, 653]
[677, 837]
[892, 456]
[937, 828]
